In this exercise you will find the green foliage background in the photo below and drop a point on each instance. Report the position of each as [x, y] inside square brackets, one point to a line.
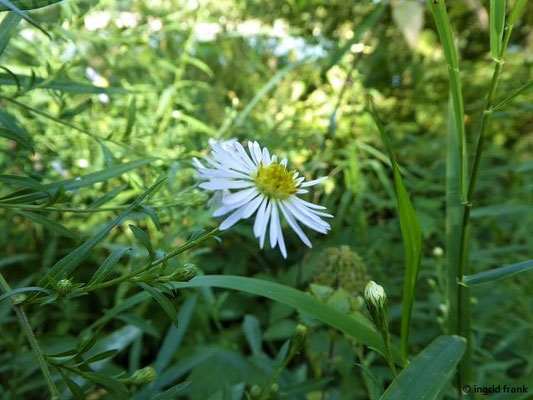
[159, 79]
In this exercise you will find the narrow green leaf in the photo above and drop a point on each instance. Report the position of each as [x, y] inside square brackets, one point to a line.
[516, 11]
[355, 325]
[67, 265]
[29, 4]
[411, 235]
[132, 112]
[444, 29]
[108, 196]
[11, 135]
[99, 357]
[7, 5]
[75, 389]
[48, 223]
[143, 239]
[23, 290]
[25, 182]
[109, 384]
[124, 305]
[517, 92]
[171, 393]
[62, 84]
[428, 372]
[497, 273]
[9, 22]
[107, 266]
[70, 184]
[165, 303]
[497, 22]
[252, 332]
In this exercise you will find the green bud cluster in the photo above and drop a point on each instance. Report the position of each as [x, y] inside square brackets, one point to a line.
[142, 376]
[340, 267]
[63, 287]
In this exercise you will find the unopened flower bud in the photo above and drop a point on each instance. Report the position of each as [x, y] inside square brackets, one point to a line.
[274, 389]
[63, 286]
[298, 338]
[142, 376]
[376, 302]
[186, 273]
[255, 392]
[438, 252]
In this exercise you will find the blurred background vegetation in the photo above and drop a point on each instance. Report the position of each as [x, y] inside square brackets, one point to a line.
[126, 80]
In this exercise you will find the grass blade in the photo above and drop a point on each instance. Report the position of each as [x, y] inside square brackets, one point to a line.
[68, 264]
[71, 184]
[438, 9]
[48, 223]
[12, 135]
[356, 325]
[9, 22]
[62, 84]
[23, 290]
[428, 372]
[497, 273]
[29, 4]
[7, 5]
[497, 22]
[411, 235]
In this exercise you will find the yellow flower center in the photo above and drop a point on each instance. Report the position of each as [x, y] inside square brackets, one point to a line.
[275, 182]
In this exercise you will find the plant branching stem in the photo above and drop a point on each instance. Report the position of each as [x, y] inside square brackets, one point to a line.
[26, 328]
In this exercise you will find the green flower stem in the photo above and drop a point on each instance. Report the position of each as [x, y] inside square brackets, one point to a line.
[388, 350]
[25, 326]
[153, 264]
[463, 293]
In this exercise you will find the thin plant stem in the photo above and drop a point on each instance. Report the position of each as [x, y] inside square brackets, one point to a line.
[154, 263]
[463, 293]
[25, 326]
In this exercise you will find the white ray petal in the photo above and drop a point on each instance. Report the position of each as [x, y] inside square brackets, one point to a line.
[252, 152]
[220, 184]
[284, 162]
[258, 223]
[222, 173]
[274, 222]
[250, 208]
[239, 196]
[314, 182]
[311, 207]
[266, 157]
[305, 219]
[281, 241]
[244, 156]
[294, 225]
[264, 226]
[258, 153]
[231, 220]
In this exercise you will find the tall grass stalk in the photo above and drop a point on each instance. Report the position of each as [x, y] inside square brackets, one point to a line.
[26, 328]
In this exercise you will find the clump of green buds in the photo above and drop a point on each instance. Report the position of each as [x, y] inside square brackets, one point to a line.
[63, 287]
[141, 376]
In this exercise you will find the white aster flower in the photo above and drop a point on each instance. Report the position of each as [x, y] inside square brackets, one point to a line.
[258, 183]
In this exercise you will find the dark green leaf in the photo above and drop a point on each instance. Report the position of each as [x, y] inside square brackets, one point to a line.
[165, 303]
[497, 22]
[48, 223]
[143, 239]
[11, 135]
[497, 273]
[9, 22]
[23, 290]
[29, 4]
[428, 372]
[107, 266]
